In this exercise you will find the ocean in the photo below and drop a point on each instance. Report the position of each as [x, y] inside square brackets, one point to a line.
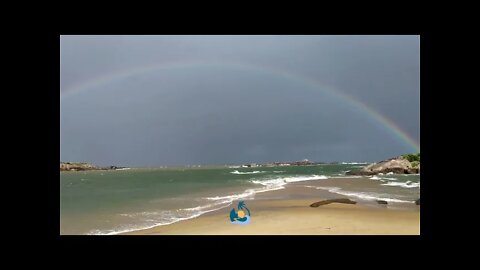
[117, 201]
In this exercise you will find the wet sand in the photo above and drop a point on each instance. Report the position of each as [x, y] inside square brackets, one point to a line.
[272, 214]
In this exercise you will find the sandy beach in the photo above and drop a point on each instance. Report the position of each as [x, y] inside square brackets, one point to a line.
[296, 217]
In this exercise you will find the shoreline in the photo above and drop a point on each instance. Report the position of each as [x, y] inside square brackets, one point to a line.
[292, 217]
[287, 211]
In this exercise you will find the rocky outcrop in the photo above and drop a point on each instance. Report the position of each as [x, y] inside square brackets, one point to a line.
[77, 166]
[82, 166]
[397, 165]
[324, 202]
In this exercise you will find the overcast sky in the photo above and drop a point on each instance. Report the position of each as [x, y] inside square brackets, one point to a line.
[232, 107]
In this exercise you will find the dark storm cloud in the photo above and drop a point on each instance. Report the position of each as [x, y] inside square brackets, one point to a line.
[225, 115]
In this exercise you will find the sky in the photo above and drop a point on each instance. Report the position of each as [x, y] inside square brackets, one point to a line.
[187, 100]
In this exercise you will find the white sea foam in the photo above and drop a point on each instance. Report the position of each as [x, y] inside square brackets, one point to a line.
[389, 173]
[383, 179]
[254, 172]
[122, 169]
[265, 189]
[408, 184]
[247, 193]
[279, 171]
[208, 207]
[268, 185]
[369, 196]
[346, 176]
[353, 163]
[163, 218]
[131, 228]
[281, 181]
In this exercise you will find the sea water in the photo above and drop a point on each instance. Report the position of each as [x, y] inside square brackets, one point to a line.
[112, 202]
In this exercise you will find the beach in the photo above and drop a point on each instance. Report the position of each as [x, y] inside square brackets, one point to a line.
[199, 200]
[271, 216]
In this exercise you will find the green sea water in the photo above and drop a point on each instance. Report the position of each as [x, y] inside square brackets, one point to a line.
[110, 202]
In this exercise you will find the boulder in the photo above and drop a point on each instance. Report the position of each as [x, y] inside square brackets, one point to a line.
[382, 202]
[360, 172]
[324, 202]
[417, 202]
[395, 165]
[413, 171]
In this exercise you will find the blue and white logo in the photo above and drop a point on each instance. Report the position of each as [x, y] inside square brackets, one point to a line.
[240, 217]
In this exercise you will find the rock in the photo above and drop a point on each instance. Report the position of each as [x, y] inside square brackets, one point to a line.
[324, 202]
[417, 202]
[81, 166]
[397, 165]
[360, 172]
[76, 166]
[382, 202]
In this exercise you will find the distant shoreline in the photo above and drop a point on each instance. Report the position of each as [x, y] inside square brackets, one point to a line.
[84, 166]
[404, 164]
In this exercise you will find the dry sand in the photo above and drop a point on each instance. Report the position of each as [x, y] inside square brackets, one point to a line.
[296, 217]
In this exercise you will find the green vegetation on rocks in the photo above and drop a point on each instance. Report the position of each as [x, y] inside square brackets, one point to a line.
[412, 157]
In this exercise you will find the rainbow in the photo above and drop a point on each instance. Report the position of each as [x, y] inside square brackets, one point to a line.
[378, 119]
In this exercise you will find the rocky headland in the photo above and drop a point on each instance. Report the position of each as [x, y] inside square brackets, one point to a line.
[405, 164]
[83, 166]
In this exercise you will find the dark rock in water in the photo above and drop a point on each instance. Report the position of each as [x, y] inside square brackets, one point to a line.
[324, 202]
[382, 202]
[412, 171]
[360, 172]
[417, 202]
